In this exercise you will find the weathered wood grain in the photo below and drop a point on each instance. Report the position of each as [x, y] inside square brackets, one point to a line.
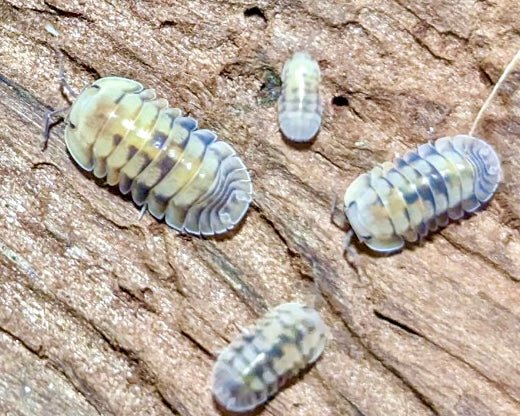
[103, 314]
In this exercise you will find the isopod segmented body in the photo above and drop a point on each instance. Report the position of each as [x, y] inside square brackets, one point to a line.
[299, 105]
[122, 131]
[421, 191]
[257, 364]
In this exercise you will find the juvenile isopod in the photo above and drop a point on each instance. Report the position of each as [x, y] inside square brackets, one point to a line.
[299, 105]
[421, 191]
[126, 134]
[256, 365]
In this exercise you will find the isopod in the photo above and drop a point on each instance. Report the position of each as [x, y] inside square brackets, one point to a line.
[421, 191]
[299, 105]
[256, 365]
[424, 189]
[124, 132]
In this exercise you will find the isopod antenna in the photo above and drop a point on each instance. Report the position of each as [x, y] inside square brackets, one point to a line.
[64, 87]
[507, 71]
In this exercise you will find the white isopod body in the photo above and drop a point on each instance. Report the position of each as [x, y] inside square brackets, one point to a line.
[299, 105]
[257, 364]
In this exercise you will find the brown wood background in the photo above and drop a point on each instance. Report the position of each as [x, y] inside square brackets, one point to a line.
[102, 314]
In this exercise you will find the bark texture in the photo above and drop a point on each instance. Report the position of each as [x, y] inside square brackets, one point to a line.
[103, 314]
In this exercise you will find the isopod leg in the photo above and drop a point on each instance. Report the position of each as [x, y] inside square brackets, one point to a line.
[48, 123]
[349, 251]
[337, 216]
[63, 78]
[142, 212]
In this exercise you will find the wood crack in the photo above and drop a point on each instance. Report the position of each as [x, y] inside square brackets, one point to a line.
[40, 355]
[66, 13]
[413, 332]
[465, 249]
[396, 323]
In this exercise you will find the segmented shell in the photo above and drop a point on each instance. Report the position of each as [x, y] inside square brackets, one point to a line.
[421, 191]
[123, 132]
[257, 364]
[299, 105]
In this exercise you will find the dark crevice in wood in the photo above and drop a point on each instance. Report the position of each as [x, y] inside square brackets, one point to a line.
[128, 296]
[357, 411]
[223, 267]
[485, 76]
[30, 9]
[168, 23]
[197, 344]
[423, 45]
[430, 25]
[279, 164]
[37, 352]
[255, 11]
[340, 101]
[177, 408]
[343, 314]
[80, 387]
[329, 160]
[420, 396]
[66, 13]
[396, 323]
[494, 383]
[436, 345]
[359, 115]
[88, 68]
[423, 399]
[24, 95]
[262, 213]
[466, 250]
[49, 362]
[355, 23]
[129, 355]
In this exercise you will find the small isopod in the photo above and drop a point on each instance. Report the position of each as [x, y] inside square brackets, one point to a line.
[421, 191]
[257, 364]
[124, 132]
[299, 105]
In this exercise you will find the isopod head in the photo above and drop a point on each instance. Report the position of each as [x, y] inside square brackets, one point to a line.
[87, 116]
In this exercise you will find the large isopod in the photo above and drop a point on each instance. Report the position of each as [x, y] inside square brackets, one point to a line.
[299, 105]
[257, 364]
[421, 191]
[124, 132]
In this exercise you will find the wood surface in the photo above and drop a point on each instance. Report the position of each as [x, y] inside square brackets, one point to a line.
[105, 314]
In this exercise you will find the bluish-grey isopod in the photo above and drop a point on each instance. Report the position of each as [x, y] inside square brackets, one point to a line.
[421, 191]
[299, 105]
[424, 189]
[257, 364]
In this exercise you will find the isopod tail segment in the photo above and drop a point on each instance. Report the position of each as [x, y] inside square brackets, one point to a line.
[422, 191]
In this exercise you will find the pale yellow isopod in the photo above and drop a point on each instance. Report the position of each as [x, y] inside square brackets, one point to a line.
[123, 132]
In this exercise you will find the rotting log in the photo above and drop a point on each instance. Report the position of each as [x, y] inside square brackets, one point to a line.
[103, 314]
